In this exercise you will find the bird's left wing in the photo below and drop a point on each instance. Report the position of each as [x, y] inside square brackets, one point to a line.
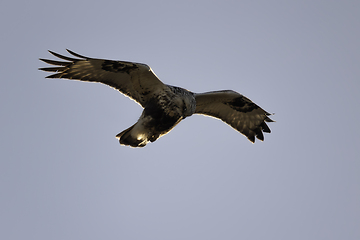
[135, 80]
[236, 110]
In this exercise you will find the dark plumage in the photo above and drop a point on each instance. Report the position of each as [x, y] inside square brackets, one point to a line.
[164, 105]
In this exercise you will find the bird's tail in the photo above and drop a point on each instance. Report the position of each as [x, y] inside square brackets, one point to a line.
[126, 138]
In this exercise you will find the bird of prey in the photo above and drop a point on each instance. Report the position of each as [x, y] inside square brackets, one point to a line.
[164, 105]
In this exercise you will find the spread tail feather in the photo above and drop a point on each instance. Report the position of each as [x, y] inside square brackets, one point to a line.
[126, 138]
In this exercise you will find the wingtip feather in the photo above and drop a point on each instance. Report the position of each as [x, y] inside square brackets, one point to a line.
[251, 138]
[53, 69]
[76, 54]
[56, 75]
[63, 57]
[53, 62]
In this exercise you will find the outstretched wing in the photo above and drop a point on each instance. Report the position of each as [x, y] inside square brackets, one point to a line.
[236, 110]
[135, 80]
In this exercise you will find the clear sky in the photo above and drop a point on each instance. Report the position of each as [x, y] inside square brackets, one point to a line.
[63, 174]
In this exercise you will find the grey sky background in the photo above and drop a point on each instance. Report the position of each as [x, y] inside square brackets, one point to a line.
[63, 174]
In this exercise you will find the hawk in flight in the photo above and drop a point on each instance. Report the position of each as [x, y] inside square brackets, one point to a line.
[164, 105]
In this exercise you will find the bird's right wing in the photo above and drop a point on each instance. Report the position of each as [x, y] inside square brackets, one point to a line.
[135, 80]
[236, 110]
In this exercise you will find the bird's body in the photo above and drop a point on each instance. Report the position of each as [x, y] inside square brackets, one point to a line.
[161, 113]
[164, 105]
